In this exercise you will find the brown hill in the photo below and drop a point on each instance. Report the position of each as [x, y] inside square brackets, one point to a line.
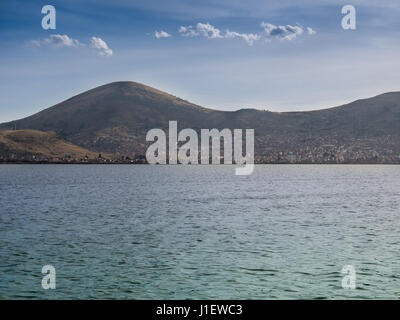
[46, 145]
[115, 118]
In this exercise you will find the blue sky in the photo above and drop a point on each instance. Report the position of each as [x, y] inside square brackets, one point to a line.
[286, 67]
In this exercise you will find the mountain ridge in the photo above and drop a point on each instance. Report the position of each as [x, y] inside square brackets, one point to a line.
[115, 118]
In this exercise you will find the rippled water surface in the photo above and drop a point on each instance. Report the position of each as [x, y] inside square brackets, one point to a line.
[199, 232]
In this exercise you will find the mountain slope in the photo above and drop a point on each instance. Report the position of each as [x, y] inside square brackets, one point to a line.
[116, 104]
[28, 143]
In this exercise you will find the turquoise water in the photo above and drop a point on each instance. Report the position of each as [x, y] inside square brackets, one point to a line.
[199, 232]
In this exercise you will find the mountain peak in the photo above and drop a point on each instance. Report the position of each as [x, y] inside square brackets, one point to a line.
[130, 87]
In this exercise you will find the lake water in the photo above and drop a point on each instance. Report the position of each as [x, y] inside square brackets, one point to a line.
[199, 232]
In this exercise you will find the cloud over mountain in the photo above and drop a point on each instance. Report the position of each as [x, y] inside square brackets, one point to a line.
[287, 32]
[101, 45]
[209, 31]
[201, 29]
[271, 31]
[161, 34]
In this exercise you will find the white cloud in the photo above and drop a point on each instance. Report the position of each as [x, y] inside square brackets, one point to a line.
[287, 32]
[271, 31]
[57, 40]
[248, 37]
[311, 31]
[188, 31]
[208, 31]
[161, 34]
[201, 29]
[101, 45]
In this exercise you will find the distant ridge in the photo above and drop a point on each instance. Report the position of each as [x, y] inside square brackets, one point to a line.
[115, 118]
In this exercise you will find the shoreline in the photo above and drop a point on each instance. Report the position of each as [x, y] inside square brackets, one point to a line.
[127, 163]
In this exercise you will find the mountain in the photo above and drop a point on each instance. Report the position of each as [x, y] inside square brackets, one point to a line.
[112, 116]
[31, 144]
[115, 118]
